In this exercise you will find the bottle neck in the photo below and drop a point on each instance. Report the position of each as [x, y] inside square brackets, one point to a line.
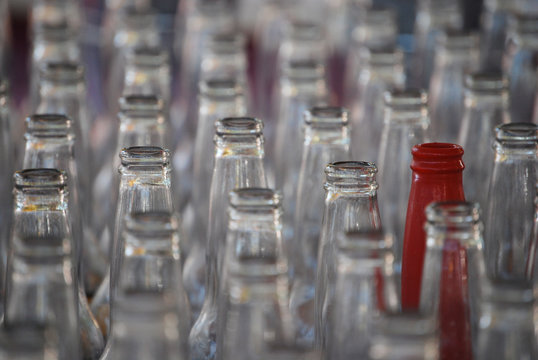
[339, 135]
[230, 146]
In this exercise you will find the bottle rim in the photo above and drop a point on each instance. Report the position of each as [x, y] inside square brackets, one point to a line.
[62, 71]
[382, 57]
[303, 70]
[437, 158]
[48, 124]
[486, 82]
[303, 30]
[152, 223]
[147, 56]
[145, 156]
[326, 116]
[255, 198]
[226, 43]
[141, 102]
[458, 40]
[517, 132]
[40, 178]
[453, 212]
[220, 87]
[239, 126]
[409, 98]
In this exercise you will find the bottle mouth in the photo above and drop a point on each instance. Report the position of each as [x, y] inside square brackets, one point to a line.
[326, 116]
[145, 156]
[517, 132]
[486, 82]
[453, 213]
[48, 124]
[239, 126]
[382, 58]
[303, 70]
[220, 88]
[63, 72]
[458, 41]
[413, 99]
[152, 224]
[352, 172]
[437, 158]
[139, 102]
[41, 178]
[255, 198]
[147, 56]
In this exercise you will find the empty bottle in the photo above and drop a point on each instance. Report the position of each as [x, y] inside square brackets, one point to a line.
[456, 53]
[150, 311]
[40, 281]
[486, 106]
[238, 164]
[406, 124]
[509, 236]
[350, 204]
[219, 98]
[381, 70]
[364, 290]
[506, 329]
[453, 275]
[519, 64]
[437, 176]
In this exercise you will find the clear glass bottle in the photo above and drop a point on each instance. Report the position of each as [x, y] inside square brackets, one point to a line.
[40, 281]
[302, 86]
[406, 124]
[456, 53]
[507, 330]
[219, 98]
[519, 65]
[238, 164]
[510, 239]
[6, 161]
[407, 335]
[381, 70]
[151, 311]
[454, 274]
[486, 106]
[350, 204]
[253, 251]
[378, 30]
[432, 18]
[365, 288]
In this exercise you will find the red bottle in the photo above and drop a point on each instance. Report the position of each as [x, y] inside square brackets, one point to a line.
[437, 176]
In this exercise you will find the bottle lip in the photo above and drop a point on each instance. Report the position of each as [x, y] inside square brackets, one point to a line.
[382, 57]
[516, 132]
[255, 198]
[153, 223]
[54, 31]
[144, 156]
[220, 87]
[437, 158]
[226, 43]
[148, 56]
[486, 82]
[141, 102]
[48, 124]
[326, 116]
[303, 70]
[63, 72]
[304, 30]
[365, 243]
[40, 178]
[458, 40]
[356, 170]
[239, 126]
[453, 213]
[409, 98]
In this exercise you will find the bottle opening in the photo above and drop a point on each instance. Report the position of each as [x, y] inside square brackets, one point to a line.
[239, 126]
[145, 155]
[326, 116]
[517, 132]
[255, 198]
[453, 212]
[40, 178]
[437, 158]
[147, 56]
[486, 82]
[220, 87]
[353, 169]
[53, 124]
[64, 72]
[411, 98]
[139, 102]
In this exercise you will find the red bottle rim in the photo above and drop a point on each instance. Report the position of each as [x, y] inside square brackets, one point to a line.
[437, 158]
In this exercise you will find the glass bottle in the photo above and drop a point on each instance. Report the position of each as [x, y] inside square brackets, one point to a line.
[519, 64]
[6, 161]
[27, 342]
[50, 144]
[406, 124]
[454, 273]
[144, 186]
[350, 204]
[253, 253]
[437, 176]
[496, 17]
[219, 98]
[238, 164]
[365, 288]
[432, 18]
[510, 240]
[456, 53]
[486, 106]
[40, 281]
[381, 70]
[507, 330]
[151, 311]
[302, 86]
[406, 335]
[378, 30]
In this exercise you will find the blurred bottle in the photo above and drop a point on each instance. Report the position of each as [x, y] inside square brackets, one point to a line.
[453, 275]
[219, 98]
[50, 144]
[486, 106]
[509, 234]
[27, 342]
[150, 311]
[6, 162]
[506, 329]
[238, 164]
[437, 176]
[144, 186]
[365, 288]
[381, 70]
[254, 261]
[54, 12]
[520, 65]
[456, 54]
[41, 275]
[302, 86]
[350, 204]
[406, 124]
[496, 17]
[408, 334]
[433, 17]
[377, 31]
